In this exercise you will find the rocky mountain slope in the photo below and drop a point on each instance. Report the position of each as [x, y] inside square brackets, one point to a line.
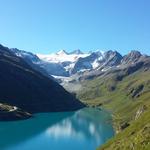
[24, 87]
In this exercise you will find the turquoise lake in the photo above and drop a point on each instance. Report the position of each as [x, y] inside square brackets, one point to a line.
[85, 129]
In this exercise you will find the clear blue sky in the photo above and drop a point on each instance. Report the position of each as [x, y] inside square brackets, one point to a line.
[45, 26]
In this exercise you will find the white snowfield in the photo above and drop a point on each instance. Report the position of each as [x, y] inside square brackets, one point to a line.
[61, 56]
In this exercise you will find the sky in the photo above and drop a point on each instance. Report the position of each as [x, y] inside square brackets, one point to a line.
[47, 26]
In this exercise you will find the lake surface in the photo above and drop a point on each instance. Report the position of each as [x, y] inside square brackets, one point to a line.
[85, 129]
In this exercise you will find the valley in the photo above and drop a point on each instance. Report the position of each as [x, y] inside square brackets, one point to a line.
[101, 80]
[75, 75]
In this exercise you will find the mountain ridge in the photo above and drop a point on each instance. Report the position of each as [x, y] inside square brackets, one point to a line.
[66, 64]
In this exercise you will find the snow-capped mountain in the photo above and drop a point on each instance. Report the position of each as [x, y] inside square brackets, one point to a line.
[33, 60]
[26, 55]
[61, 63]
[64, 64]
[62, 56]
[97, 60]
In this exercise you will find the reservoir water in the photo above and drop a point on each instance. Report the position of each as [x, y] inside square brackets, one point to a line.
[85, 129]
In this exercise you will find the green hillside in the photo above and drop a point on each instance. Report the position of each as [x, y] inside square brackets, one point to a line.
[135, 137]
[128, 98]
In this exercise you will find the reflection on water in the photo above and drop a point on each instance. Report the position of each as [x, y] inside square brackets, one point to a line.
[83, 130]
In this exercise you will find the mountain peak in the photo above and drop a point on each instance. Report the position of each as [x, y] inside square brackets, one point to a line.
[77, 51]
[62, 52]
[135, 52]
[131, 57]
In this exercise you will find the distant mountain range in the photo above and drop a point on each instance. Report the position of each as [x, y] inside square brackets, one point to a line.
[64, 64]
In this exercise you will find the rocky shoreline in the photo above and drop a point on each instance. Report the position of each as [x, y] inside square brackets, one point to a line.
[10, 113]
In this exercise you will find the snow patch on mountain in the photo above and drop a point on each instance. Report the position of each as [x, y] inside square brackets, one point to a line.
[95, 64]
[61, 56]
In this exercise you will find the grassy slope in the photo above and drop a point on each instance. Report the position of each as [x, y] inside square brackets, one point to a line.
[136, 136]
[123, 98]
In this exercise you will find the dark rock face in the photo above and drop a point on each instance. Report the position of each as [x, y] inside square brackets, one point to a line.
[85, 63]
[106, 60]
[124, 125]
[112, 58]
[28, 89]
[124, 69]
[131, 58]
[137, 91]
